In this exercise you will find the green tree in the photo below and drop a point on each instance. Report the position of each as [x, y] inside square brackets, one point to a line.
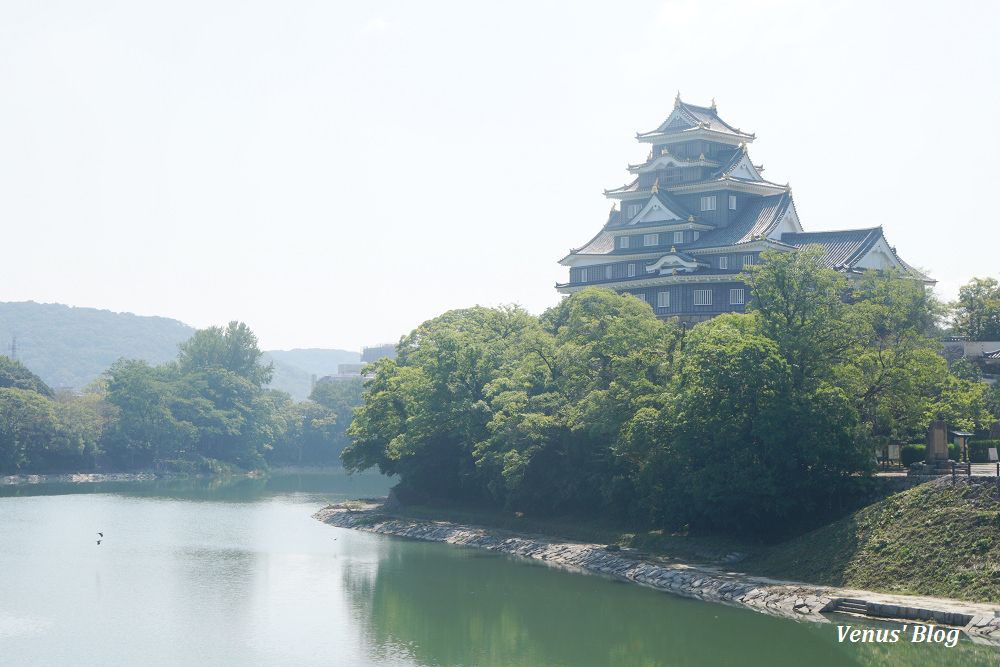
[977, 310]
[964, 369]
[752, 452]
[800, 306]
[28, 429]
[13, 374]
[523, 412]
[232, 349]
[146, 399]
[890, 362]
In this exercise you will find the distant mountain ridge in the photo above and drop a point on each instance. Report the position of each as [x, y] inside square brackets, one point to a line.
[68, 346]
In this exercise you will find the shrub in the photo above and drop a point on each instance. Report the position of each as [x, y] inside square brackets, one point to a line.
[912, 453]
[979, 450]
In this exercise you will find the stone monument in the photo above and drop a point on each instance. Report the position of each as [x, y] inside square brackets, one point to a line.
[937, 441]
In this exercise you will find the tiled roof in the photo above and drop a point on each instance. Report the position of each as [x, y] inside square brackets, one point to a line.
[631, 187]
[843, 248]
[698, 160]
[602, 244]
[758, 218]
[729, 164]
[995, 354]
[696, 114]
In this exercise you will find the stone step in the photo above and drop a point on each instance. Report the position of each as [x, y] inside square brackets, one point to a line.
[851, 606]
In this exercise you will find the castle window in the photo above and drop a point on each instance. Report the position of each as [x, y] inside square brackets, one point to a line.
[736, 297]
[633, 210]
[678, 237]
[641, 297]
[631, 270]
[703, 297]
[663, 300]
[708, 203]
[622, 241]
[671, 175]
[607, 272]
[732, 202]
[723, 262]
[651, 239]
[583, 275]
[747, 260]
[696, 235]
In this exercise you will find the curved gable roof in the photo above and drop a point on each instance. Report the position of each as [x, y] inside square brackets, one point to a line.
[844, 248]
[694, 116]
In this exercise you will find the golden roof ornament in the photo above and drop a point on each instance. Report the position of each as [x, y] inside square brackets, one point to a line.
[656, 186]
[690, 218]
[713, 103]
[673, 248]
[701, 157]
[677, 100]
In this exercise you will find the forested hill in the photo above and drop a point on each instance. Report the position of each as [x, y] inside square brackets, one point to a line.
[68, 346]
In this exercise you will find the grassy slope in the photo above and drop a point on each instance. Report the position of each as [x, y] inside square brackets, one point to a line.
[934, 539]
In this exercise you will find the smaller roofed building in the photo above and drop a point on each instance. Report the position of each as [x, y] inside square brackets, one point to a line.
[696, 212]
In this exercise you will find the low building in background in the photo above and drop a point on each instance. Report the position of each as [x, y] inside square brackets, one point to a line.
[369, 355]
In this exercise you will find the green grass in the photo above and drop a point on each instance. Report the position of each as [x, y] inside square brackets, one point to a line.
[935, 539]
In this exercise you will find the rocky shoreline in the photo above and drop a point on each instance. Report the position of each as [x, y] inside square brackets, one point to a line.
[79, 477]
[788, 599]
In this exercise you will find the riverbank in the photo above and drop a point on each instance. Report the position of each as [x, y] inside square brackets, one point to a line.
[714, 584]
[80, 477]
[85, 477]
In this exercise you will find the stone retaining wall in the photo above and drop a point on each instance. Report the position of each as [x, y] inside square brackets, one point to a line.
[711, 584]
[78, 477]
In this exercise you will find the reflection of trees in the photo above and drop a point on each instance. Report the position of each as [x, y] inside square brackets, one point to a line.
[223, 488]
[444, 605]
[905, 653]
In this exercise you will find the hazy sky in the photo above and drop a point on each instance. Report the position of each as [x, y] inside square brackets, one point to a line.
[335, 173]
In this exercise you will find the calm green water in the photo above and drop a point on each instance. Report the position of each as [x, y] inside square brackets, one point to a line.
[237, 573]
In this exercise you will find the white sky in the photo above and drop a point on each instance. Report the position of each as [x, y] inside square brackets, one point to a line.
[335, 173]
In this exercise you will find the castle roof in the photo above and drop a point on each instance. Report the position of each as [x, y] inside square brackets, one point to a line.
[602, 244]
[628, 187]
[843, 248]
[686, 117]
[759, 219]
[848, 249]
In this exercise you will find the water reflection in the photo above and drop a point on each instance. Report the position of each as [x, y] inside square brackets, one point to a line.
[445, 605]
[335, 485]
[234, 571]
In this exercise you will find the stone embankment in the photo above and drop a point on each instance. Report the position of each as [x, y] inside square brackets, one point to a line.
[792, 600]
[78, 477]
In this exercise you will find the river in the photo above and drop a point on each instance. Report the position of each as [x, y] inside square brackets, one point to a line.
[235, 572]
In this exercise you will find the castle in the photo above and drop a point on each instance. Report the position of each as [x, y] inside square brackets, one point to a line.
[697, 212]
